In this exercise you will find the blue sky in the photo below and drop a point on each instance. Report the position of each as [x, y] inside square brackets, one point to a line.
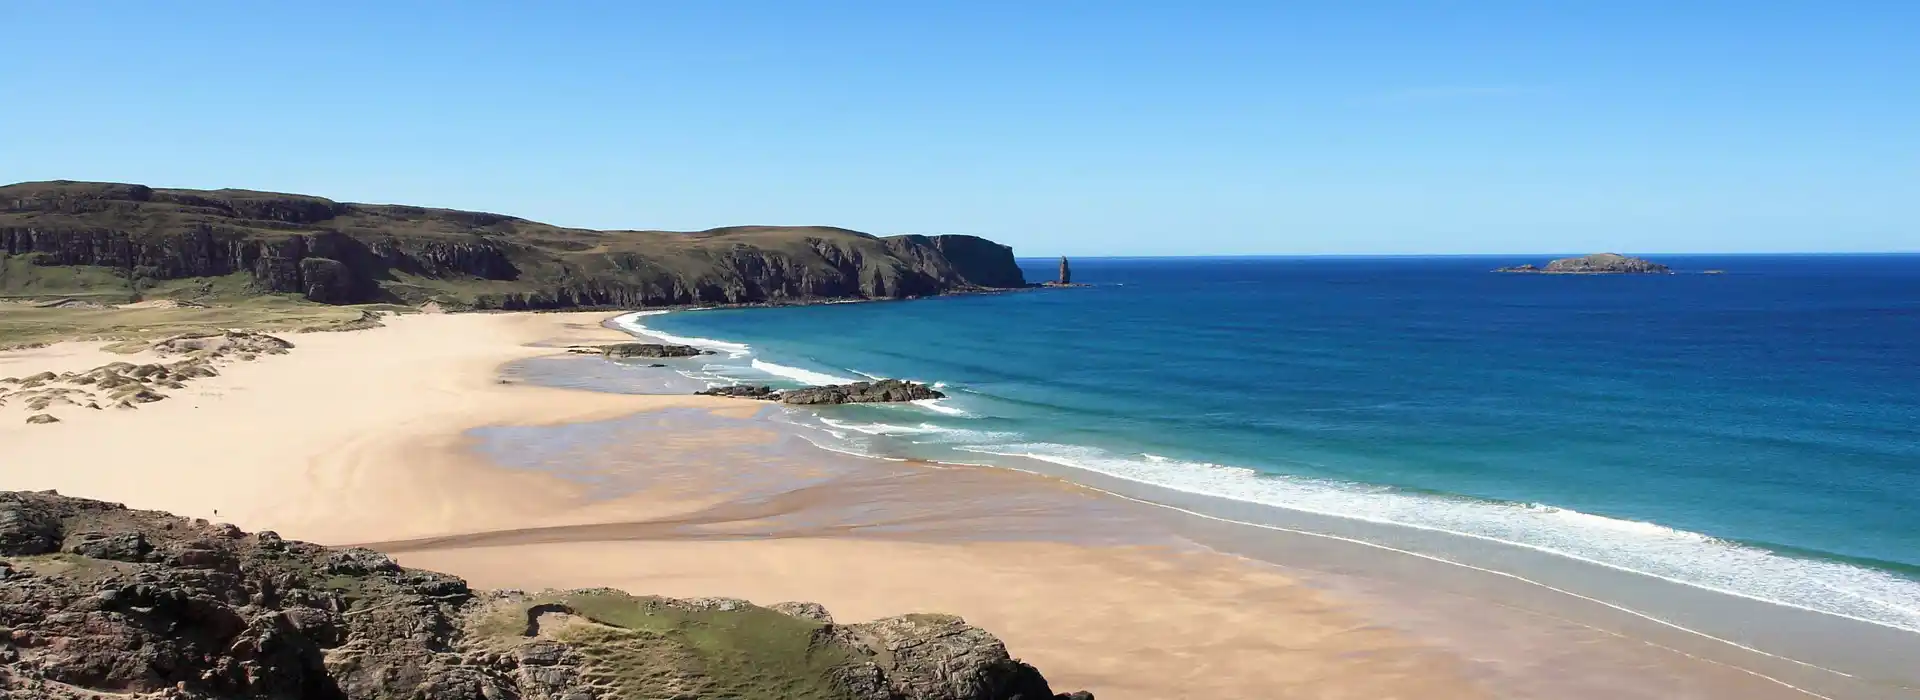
[1077, 128]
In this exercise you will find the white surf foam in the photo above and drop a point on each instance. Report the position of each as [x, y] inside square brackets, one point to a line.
[1675, 555]
[797, 374]
[631, 323]
[923, 433]
[874, 428]
[936, 406]
[874, 377]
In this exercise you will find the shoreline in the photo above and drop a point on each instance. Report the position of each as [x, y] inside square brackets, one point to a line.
[1490, 520]
[383, 438]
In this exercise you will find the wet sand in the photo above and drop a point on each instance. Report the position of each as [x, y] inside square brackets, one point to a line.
[774, 499]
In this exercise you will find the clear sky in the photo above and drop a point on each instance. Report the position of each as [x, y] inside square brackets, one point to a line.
[1078, 128]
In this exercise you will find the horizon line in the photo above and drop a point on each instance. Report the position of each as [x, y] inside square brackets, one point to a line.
[1868, 253]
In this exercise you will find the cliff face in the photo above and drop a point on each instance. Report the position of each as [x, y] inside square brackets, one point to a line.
[335, 252]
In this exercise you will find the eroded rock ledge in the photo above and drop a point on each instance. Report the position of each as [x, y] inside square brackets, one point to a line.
[98, 599]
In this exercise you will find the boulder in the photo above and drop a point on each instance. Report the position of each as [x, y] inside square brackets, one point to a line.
[941, 656]
[805, 611]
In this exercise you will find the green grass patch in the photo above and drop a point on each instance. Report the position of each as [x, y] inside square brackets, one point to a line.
[649, 648]
[69, 565]
[20, 278]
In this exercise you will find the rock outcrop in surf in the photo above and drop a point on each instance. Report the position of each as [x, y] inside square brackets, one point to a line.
[881, 391]
[620, 350]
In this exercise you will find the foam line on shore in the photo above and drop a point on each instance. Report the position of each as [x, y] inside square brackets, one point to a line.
[804, 376]
[1648, 549]
[1448, 562]
[1525, 580]
[631, 324]
[929, 430]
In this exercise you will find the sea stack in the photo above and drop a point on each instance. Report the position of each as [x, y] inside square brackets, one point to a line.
[1066, 272]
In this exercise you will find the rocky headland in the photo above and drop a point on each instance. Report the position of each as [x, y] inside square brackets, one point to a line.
[97, 600]
[881, 391]
[1596, 264]
[133, 242]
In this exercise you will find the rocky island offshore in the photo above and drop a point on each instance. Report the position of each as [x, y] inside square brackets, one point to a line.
[98, 599]
[1596, 264]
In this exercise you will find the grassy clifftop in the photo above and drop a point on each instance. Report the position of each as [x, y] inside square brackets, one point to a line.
[121, 242]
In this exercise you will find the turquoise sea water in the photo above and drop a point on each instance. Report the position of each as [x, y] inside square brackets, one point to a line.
[1755, 432]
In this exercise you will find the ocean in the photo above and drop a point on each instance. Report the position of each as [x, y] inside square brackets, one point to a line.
[1755, 432]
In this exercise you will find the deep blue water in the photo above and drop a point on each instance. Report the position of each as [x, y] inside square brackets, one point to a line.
[1695, 427]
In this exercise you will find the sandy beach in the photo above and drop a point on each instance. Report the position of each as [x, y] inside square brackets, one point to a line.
[394, 437]
[360, 437]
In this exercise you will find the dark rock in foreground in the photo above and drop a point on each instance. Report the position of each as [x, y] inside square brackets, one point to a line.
[882, 391]
[1597, 264]
[98, 599]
